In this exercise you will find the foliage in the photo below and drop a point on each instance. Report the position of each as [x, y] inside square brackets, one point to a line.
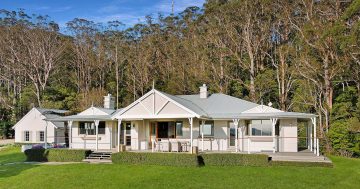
[167, 159]
[56, 155]
[259, 50]
[226, 159]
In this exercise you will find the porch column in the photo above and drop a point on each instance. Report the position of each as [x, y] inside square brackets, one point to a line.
[70, 133]
[118, 135]
[236, 124]
[202, 135]
[97, 133]
[310, 136]
[315, 139]
[45, 133]
[273, 123]
[191, 134]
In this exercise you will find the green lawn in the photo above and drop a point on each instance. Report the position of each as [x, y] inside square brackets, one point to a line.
[345, 174]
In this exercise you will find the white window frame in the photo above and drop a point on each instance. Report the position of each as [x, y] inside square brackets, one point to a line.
[261, 128]
[27, 136]
[42, 134]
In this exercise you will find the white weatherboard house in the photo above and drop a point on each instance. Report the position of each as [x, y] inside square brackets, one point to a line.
[32, 128]
[162, 122]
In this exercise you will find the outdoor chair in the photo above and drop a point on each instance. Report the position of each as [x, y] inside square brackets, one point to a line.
[176, 147]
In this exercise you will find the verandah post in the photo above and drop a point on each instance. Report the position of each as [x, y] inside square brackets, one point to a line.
[45, 137]
[202, 135]
[191, 134]
[70, 133]
[97, 134]
[118, 135]
[236, 123]
[315, 141]
[273, 122]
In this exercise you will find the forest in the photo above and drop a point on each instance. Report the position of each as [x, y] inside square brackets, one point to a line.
[300, 55]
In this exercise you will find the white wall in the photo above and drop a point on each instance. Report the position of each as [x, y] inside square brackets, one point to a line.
[33, 122]
[288, 141]
[81, 141]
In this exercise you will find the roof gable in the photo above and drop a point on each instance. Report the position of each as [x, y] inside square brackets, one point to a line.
[262, 109]
[36, 113]
[96, 111]
[155, 104]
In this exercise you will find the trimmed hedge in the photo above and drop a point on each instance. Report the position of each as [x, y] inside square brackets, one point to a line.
[227, 159]
[300, 164]
[190, 160]
[56, 155]
[166, 159]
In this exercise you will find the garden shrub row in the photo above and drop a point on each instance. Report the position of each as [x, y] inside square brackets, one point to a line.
[167, 159]
[228, 159]
[174, 159]
[56, 155]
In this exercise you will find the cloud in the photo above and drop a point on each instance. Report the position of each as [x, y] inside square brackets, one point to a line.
[61, 9]
[108, 9]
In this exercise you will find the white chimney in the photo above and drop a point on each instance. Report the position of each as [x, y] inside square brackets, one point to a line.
[109, 102]
[203, 91]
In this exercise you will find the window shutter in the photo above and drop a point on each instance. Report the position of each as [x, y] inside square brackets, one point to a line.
[23, 135]
[37, 136]
[30, 136]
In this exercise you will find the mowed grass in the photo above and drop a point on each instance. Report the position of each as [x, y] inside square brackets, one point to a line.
[344, 174]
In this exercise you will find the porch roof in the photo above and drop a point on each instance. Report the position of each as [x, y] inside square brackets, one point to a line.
[263, 115]
[81, 118]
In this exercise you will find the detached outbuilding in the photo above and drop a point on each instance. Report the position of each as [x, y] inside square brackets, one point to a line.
[33, 128]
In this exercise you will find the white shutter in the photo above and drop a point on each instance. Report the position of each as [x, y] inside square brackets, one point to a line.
[30, 136]
[23, 136]
[37, 136]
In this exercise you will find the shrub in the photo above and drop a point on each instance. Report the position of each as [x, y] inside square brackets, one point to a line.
[235, 159]
[56, 155]
[166, 159]
[300, 164]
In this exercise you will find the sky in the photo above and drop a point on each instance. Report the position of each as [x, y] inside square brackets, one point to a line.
[128, 12]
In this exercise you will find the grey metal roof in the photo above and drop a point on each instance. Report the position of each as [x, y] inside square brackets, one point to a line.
[221, 106]
[117, 111]
[187, 103]
[81, 118]
[106, 110]
[51, 111]
[219, 103]
[263, 115]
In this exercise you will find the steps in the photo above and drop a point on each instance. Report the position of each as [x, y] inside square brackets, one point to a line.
[99, 156]
[301, 158]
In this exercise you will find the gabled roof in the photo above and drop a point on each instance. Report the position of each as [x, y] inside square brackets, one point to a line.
[48, 114]
[88, 117]
[219, 106]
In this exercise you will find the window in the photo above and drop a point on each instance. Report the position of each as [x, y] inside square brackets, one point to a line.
[41, 136]
[27, 135]
[179, 127]
[208, 128]
[261, 128]
[88, 128]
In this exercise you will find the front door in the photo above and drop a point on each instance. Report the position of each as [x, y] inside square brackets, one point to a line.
[163, 130]
[125, 134]
[232, 131]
